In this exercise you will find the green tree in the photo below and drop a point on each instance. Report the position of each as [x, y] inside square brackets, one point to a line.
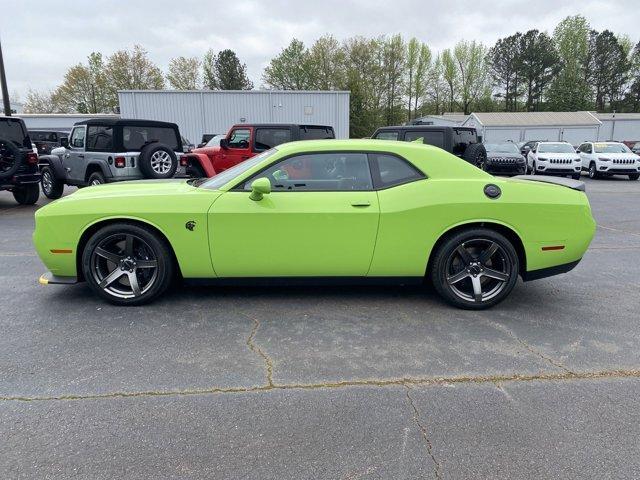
[326, 64]
[131, 70]
[504, 62]
[224, 71]
[184, 73]
[570, 90]
[437, 88]
[43, 102]
[538, 63]
[393, 66]
[291, 69]
[470, 59]
[632, 96]
[85, 88]
[450, 76]
[607, 68]
[421, 78]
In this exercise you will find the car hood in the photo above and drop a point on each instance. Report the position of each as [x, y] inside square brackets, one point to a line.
[132, 189]
[207, 150]
[626, 156]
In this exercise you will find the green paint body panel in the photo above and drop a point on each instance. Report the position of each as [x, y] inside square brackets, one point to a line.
[325, 233]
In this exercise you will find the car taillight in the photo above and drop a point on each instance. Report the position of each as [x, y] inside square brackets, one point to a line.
[32, 158]
[120, 162]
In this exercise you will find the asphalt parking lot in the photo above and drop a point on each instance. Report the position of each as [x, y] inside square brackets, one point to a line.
[351, 383]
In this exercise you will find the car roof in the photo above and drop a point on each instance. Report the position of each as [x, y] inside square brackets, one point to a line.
[132, 122]
[279, 125]
[423, 127]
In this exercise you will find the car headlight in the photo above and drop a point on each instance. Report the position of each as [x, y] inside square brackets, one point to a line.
[542, 159]
[604, 159]
[577, 159]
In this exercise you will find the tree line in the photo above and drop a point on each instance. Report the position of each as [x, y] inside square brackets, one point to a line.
[392, 80]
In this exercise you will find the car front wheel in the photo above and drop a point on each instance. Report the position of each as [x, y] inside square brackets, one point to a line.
[593, 172]
[51, 187]
[634, 176]
[127, 264]
[475, 269]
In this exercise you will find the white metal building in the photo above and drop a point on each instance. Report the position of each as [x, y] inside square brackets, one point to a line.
[214, 111]
[573, 127]
[58, 121]
[445, 120]
[619, 126]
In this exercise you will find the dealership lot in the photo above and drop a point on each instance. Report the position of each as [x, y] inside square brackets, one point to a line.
[383, 382]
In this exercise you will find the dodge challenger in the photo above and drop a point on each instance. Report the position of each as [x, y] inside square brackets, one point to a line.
[326, 211]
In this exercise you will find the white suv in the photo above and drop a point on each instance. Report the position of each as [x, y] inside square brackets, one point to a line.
[558, 158]
[609, 158]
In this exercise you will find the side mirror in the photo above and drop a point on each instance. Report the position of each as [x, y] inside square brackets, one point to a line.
[259, 188]
[526, 149]
[224, 143]
[64, 142]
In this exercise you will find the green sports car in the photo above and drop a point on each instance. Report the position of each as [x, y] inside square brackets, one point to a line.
[321, 211]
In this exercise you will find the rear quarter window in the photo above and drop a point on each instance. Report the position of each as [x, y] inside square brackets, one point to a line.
[429, 137]
[390, 170]
[387, 135]
[135, 137]
[13, 130]
[316, 133]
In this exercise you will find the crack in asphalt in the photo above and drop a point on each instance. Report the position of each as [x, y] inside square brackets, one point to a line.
[619, 230]
[402, 382]
[424, 432]
[256, 349]
[531, 349]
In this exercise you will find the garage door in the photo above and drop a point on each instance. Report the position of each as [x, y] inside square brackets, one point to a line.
[577, 135]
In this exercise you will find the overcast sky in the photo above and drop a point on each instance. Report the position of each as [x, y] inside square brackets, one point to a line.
[42, 38]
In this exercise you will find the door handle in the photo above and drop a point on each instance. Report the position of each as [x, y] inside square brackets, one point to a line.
[364, 203]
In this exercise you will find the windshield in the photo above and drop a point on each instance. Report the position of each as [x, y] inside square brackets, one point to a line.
[225, 177]
[215, 141]
[611, 148]
[12, 130]
[501, 147]
[555, 148]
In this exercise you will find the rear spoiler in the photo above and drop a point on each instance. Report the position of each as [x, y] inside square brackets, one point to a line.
[565, 182]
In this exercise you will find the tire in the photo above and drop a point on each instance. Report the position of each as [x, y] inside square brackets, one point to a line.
[27, 194]
[576, 176]
[196, 171]
[475, 154]
[51, 186]
[454, 275]
[157, 161]
[634, 176]
[593, 172]
[10, 158]
[115, 255]
[96, 178]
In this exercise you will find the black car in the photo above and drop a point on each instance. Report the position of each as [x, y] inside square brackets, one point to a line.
[461, 141]
[18, 162]
[47, 140]
[504, 158]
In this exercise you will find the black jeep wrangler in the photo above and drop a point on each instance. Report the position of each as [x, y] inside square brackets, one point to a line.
[461, 141]
[112, 150]
[18, 162]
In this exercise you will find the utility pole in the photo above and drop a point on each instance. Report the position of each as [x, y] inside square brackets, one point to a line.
[4, 91]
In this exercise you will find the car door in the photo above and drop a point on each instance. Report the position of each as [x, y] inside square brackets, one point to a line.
[74, 161]
[319, 220]
[238, 148]
[532, 155]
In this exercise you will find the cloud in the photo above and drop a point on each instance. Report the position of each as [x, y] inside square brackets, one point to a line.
[41, 39]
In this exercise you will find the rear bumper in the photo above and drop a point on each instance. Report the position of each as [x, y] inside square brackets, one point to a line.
[549, 272]
[19, 180]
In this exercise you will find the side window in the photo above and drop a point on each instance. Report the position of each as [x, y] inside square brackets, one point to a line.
[239, 138]
[267, 138]
[316, 133]
[389, 170]
[588, 148]
[387, 135]
[430, 138]
[319, 172]
[99, 138]
[77, 137]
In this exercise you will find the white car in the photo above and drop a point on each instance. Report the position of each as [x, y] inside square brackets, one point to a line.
[557, 158]
[602, 159]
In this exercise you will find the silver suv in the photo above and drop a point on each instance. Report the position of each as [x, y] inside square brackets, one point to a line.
[112, 150]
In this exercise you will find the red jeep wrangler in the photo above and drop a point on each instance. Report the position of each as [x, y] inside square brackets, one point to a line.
[246, 140]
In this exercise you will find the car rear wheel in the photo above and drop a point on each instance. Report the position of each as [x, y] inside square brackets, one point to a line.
[475, 269]
[27, 194]
[96, 178]
[127, 264]
[51, 187]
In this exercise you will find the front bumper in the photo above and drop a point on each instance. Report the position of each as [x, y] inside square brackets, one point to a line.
[499, 167]
[559, 168]
[50, 278]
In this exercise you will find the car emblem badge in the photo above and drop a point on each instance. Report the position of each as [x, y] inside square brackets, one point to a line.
[190, 225]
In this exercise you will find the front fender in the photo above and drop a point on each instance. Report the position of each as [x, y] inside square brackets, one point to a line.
[203, 161]
[55, 162]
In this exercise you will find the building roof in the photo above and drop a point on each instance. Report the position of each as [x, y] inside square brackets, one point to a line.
[126, 122]
[535, 119]
[617, 116]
